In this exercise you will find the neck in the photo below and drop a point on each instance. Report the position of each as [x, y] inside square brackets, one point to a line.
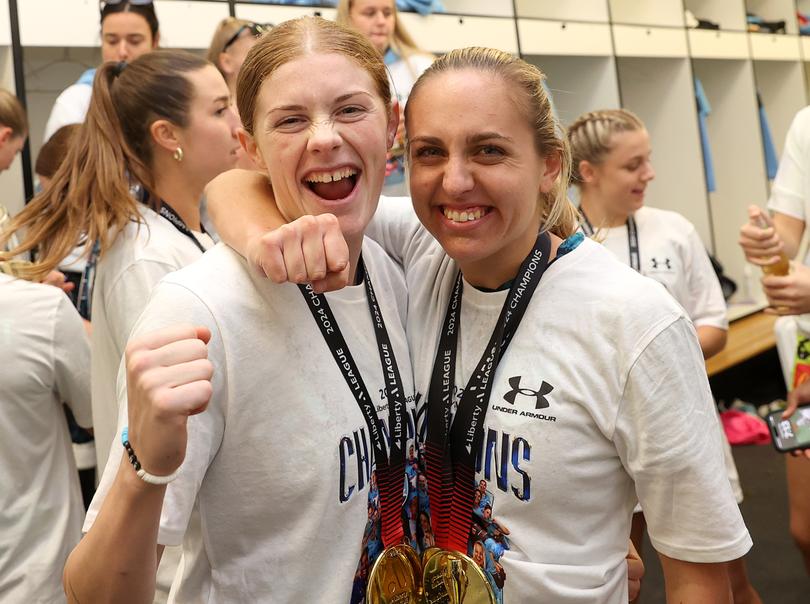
[600, 216]
[184, 196]
[492, 272]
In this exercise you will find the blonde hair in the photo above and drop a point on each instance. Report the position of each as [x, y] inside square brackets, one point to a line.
[12, 114]
[590, 136]
[89, 197]
[559, 216]
[224, 31]
[297, 38]
[402, 42]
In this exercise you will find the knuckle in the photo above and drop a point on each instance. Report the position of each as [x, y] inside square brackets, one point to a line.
[138, 362]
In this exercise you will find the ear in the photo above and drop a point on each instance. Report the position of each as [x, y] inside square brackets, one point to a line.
[553, 165]
[588, 171]
[225, 62]
[165, 135]
[6, 134]
[393, 123]
[156, 40]
[251, 148]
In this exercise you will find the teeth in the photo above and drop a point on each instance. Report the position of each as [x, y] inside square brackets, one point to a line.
[331, 176]
[464, 215]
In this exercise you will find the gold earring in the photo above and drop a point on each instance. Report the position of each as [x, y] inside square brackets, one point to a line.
[178, 154]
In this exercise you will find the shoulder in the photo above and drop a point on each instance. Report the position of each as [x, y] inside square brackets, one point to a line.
[605, 293]
[28, 296]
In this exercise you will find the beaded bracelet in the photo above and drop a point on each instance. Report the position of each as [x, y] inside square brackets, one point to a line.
[143, 474]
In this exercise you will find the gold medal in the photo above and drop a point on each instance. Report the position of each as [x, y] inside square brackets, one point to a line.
[453, 578]
[396, 577]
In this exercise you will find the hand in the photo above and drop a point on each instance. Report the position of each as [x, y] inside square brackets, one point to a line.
[308, 250]
[798, 396]
[635, 571]
[168, 379]
[57, 279]
[788, 295]
[762, 246]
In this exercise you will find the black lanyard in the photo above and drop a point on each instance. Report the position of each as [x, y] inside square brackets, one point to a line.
[451, 447]
[390, 468]
[632, 238]
[166, 211]
[84, 299]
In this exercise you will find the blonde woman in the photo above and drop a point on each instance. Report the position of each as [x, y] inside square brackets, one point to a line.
[612, 169]
[232, 40]
[378, 21]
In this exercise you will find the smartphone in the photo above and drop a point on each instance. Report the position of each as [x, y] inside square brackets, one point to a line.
[790, 434]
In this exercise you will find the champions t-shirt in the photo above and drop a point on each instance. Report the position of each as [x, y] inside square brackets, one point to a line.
[601, 398]
[277, 499]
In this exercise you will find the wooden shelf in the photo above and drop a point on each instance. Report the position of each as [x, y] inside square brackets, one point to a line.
[747, 338]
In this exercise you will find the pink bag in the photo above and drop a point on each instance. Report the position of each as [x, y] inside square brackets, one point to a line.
[745, 429]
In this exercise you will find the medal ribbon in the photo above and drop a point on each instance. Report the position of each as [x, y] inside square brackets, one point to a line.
[84, 298]
[451, 447]
[632, 239]
[390, 469]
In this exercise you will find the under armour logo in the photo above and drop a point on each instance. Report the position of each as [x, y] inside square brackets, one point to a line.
[542, 402]
[656, 263]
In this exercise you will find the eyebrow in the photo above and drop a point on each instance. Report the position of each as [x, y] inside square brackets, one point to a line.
[340, 99]
[224, 98]
[471, 140]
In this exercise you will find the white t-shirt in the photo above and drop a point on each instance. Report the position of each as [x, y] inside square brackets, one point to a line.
[609, 403]
[70, 108]
[140, 257]
[279, 464]
[672, 253]
[44, 361]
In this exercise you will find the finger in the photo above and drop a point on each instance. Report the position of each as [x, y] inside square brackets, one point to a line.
[267, 257]
[184, 373]
[762, 261]
[756, 234]
[332, 282]
[334, 243]
[161, 337]
[203, 333]
[633, 589]
[293, 254]
[312, 246]
[178, 352]
[68, 286]
[186, 399]
[777, 282]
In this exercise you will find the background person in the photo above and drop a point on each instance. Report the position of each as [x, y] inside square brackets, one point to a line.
[44, 361]
[129, 28]
[163, 123]
[612, 169]
[377, 20]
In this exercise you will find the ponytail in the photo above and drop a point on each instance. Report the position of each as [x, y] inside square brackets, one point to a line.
[89, 198]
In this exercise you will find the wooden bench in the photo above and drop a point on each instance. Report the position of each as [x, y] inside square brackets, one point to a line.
[747, 337]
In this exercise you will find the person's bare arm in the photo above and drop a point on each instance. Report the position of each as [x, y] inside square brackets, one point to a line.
[695, 583]
[168, 379]
[308, 250]
[712, 339]
[790, 230]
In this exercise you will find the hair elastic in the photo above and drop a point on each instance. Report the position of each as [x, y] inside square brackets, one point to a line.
[119, 67]
[143, 474]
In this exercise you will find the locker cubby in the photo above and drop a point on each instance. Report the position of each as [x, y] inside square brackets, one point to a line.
[728, 14]
[775, 10]
[665, 13]
[782, 90]
[672, 123]
[738, 158]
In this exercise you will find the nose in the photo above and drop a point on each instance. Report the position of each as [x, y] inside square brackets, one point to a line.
[234, 121]
[123, 50]
[379, 17]
[457, 178]
[324, 137]
[649, 172]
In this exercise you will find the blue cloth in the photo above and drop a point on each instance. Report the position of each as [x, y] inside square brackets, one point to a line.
[87, 77]
[704, 109]
[771, 161]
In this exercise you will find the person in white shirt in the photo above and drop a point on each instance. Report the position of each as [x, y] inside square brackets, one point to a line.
[588, 411]
[44, 362]
[766, 240]
[274, 494]
[128, 30]
[611, 167]
[378, 20]
[158, 129]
